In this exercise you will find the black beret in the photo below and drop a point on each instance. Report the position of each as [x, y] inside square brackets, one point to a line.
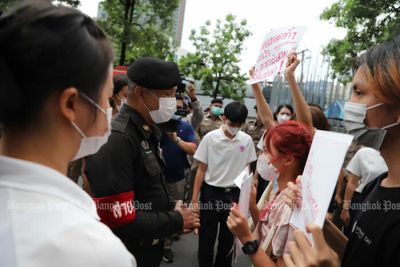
[154, 73]
[217, 100]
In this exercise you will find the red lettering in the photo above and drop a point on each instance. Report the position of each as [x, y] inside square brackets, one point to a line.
[116, 210]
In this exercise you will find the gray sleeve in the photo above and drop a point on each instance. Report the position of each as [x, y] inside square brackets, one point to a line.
[198, 115]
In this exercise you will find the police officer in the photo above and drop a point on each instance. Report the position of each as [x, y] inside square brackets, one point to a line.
[129, 168]
[255, 128]
[212, 121]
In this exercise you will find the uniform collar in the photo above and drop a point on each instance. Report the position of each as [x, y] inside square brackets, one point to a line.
[209, 116]
[137, 119]
[32, 177]
[224, 137]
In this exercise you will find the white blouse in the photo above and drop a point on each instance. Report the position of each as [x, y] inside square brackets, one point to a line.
[47, 220]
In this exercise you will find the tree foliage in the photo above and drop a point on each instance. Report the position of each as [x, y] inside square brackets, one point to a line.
[368, 22]
[216, 57]
[140, 28]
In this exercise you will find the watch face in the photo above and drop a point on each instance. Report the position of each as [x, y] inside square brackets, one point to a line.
[250, 247]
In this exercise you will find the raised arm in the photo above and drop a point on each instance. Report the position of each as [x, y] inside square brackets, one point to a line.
[301, 107]
[264, 111]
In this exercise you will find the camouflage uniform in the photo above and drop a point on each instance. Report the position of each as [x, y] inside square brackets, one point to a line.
[208, 125]
[255, 129]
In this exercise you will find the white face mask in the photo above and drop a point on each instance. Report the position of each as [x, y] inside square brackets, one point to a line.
[232, 130]
[354, 117]
[90, 145]
[166, 109]
[283, 118]
[123, 101]
[265, 168]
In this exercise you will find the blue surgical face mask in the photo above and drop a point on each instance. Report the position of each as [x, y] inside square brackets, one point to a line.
[216, 111]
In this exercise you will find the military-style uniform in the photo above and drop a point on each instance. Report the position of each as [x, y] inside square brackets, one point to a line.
[209, 124]
[255, 129]
[129, 169]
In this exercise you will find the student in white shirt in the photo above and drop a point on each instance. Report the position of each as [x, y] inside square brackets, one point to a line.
[366, 165]
[223, 154]
[56, 67]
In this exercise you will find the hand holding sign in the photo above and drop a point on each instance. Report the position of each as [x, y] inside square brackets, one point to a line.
[291, 65]
[302, 253]
[319, 178]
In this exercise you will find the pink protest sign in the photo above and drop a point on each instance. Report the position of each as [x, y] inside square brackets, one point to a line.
[319, 177]
[274, 51]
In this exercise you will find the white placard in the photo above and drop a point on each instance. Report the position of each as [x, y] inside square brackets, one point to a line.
[274, 51]
[244, 202]
[321, 172]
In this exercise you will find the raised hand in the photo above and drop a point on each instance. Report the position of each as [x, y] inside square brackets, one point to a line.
[291, 65]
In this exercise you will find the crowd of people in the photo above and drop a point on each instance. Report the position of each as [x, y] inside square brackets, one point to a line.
[97, 170]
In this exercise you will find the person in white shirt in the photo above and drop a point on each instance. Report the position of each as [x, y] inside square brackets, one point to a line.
[366, 165]
[56, 66]
[223, 154]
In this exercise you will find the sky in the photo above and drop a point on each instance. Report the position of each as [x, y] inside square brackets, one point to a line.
[262, 16]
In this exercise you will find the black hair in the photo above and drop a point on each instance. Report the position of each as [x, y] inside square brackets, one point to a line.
[217, 100]
[236, 112]
[119, 82]
[45, 49]
[280, 107]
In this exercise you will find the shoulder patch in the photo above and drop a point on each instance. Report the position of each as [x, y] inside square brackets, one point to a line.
[120, 122]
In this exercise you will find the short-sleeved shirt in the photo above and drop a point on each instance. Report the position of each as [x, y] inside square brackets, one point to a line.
[47, 220]
[275, 216]
[367, 164]
[260, 144]
[226, 158]
[175, 158]
[374, 240]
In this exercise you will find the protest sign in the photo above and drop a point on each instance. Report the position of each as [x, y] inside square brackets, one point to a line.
[274, 51]
[320, 174]
[246, 181]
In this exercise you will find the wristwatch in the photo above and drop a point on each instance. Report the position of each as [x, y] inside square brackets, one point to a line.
[178, 139]
[250, 247]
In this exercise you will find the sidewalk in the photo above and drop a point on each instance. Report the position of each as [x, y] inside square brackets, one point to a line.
[185, 251]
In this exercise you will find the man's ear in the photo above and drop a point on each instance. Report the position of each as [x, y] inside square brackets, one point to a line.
[67, 103]
[139, 92]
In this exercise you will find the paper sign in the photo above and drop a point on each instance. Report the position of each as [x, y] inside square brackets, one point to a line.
[239, 179]
[321, 172]
[244, 202]
[274, 51]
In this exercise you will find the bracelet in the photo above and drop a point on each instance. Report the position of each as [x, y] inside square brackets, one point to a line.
[178, 139]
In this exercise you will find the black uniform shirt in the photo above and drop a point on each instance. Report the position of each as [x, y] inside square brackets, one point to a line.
[375, 238]
[131, 161]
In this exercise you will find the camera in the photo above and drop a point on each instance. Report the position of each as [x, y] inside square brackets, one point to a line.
[181, 88]
[170, 126]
